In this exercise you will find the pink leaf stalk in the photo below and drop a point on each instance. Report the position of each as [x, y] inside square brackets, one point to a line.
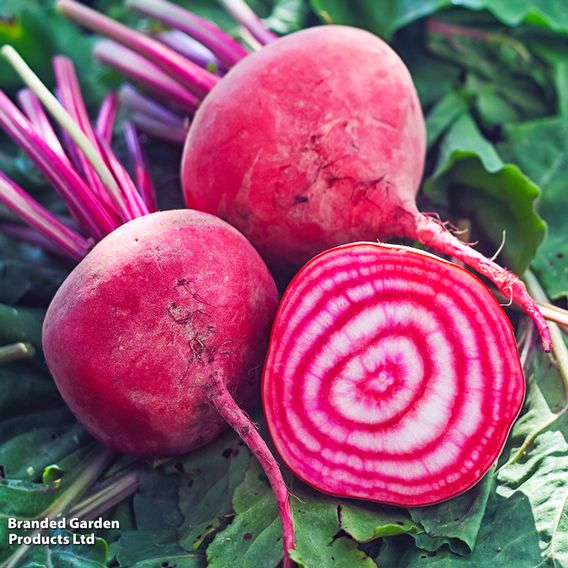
[242, 12]
[175, 134]
[72, 100]
[192, 49]
[140, 70]
[80, 201]
[42, 220]
[32, 108]
[197, 80]
[391, 376]
[135, 101]
[140, 166]
[151, 117]
[225, 404]
[107, 117]
[133, 200]
[222, 45]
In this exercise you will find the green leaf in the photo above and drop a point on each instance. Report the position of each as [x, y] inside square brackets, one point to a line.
[317, 526]
[208, 479]
[541, 150]
[287, 16]
[56, 418]
[504, 80]
[26, 455]
[384, 17]
[25, 389]
[410, 44]
[497, 197]
[149, 549]
[367, 522]
[456, 522]
[68, 555]
[156, 505]
[21, 324]
[556, 54]
[443, 115]
[26, 273]
[181, 504]
[254, 536]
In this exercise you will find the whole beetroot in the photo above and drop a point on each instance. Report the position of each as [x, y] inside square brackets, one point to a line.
[157, 308]
[316, 140]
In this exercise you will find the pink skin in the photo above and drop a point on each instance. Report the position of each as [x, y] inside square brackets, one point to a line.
[292, 163]
[319, 140]
[134, 368]
[391, 376]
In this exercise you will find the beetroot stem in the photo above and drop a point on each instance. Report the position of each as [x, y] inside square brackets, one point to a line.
[196, 79]
[192, 49]
[224, 403]
[430, 233]
[133, 100]
[142, 71]
[67, 122]
[222, 45]
[242, 12]
[152, 117]
[72, 101]
[78, 198]
[133, 199]
[140, 166]
[151, 125]
[31, 106]
[42, 220]
[107, 116]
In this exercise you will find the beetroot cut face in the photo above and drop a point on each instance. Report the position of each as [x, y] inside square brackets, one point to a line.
[392, 376]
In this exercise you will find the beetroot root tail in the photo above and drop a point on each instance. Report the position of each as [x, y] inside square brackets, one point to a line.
[226, 406]
[432, 234]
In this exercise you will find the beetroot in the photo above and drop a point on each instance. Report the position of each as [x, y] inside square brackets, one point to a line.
[302, 157]
[319, 140]
[136, 331]
[157, 337]
[391, 376]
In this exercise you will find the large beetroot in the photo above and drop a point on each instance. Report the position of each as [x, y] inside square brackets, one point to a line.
[319, 140]
[391, 376]
[316, 140]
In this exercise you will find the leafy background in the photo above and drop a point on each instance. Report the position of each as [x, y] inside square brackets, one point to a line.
[492, 76]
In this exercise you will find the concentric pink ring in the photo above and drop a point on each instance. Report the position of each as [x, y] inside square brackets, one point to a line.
[391, 376]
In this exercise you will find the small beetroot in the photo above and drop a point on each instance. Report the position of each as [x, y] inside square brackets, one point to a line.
[392, 376]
